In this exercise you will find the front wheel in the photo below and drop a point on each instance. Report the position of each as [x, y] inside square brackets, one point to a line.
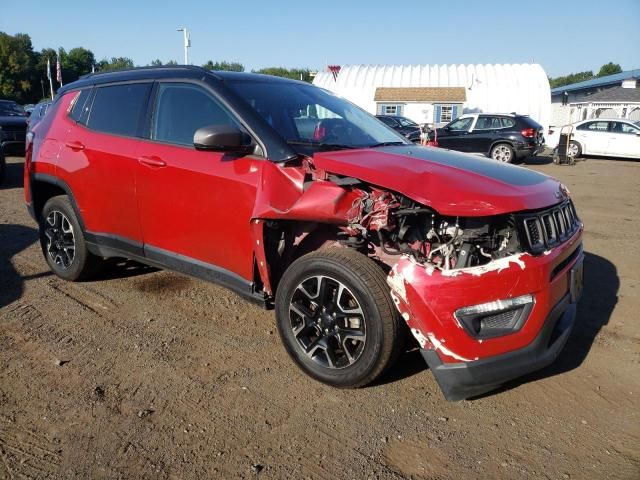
[502, 152]
[336, 318]
[574, 151]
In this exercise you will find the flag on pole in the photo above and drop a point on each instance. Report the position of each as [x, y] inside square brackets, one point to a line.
[58, 70]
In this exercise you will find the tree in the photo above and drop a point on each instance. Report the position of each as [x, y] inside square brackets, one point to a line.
[571, 78]
[158, 63]
[79, 61]
[224, 65]
[609, 69]
[116, 63]
[303, 74]
[17, 61]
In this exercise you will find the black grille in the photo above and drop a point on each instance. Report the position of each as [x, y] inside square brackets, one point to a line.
[547, 228]
[499, 320]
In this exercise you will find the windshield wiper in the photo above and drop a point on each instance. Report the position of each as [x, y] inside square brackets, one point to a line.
[323, 146]
[386, 144]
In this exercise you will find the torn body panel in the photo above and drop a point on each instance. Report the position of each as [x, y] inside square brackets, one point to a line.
[428, 298]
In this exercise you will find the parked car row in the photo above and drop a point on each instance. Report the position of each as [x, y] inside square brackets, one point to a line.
[615, 137]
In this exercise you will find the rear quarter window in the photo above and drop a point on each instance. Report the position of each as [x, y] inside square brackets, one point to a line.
[80, 107]
[119, 109]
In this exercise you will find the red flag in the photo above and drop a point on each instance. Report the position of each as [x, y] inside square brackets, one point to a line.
[58, 70]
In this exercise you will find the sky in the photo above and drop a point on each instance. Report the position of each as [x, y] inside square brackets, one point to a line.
[564, 36]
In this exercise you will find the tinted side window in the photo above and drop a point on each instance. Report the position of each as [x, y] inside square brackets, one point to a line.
[119, 109]
[181, 109]
[594, 126]
[80, 105]
[507, 122]
[389, 121]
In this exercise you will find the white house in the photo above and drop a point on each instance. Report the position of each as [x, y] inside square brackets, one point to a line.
[439, 93]
[613, 96]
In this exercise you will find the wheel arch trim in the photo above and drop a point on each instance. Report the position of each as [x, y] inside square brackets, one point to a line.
[52, 180]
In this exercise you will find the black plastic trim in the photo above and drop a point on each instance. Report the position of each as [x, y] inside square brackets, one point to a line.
[459, 381]
[107, 245]
[45, 178]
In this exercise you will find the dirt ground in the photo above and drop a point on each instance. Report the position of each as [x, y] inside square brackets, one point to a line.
[150, 374]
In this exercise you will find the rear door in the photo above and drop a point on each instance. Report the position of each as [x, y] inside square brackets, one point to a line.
[100, 162]
[195, 206]
[624, 140]
[593, 136]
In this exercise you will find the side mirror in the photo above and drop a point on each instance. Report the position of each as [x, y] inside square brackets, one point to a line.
[222, 138]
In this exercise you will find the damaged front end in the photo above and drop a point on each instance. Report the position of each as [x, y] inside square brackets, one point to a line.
[473, 288]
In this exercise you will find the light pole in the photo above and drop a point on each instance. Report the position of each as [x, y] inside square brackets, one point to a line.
[187, 43]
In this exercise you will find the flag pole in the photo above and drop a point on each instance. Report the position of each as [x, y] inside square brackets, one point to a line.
[49, 77]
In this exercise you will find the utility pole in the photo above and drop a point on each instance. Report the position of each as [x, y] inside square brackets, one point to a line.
[187, 43]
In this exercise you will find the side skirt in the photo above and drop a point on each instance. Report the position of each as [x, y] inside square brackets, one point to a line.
[105, 245]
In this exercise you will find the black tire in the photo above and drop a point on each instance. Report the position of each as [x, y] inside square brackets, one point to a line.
[502, 152]
[575, 150]
[56, 236]
[357, 361]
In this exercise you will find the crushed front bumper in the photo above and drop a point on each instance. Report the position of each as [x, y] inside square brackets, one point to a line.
[464, 380]
[465, 365]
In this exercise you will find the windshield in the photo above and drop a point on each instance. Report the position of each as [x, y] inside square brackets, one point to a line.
[405, 122]
[311, 119]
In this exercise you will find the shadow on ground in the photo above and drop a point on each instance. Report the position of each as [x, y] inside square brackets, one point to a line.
[13, 240]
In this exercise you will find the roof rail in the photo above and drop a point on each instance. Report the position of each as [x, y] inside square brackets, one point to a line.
[151, 67]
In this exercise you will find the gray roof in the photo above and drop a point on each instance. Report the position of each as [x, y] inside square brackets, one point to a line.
[613, 95]
[598, 82]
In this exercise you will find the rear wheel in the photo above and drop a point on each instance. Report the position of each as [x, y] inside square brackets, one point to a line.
[336, 318]
[63, 242]
[502, 152]
[575, 150]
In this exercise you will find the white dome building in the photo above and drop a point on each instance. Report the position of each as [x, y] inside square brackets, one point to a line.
[439, 93]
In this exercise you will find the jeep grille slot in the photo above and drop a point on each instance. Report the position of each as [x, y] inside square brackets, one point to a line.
[547, 228]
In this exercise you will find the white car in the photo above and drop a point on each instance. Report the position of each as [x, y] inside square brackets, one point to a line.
[614, 137]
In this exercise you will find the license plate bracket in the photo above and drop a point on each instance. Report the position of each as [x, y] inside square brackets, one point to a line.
[576, 280]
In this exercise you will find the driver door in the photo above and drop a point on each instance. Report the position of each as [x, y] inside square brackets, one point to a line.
[454, 135]
[195, 206]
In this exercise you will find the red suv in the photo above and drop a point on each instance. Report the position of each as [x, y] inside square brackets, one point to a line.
[297, 199]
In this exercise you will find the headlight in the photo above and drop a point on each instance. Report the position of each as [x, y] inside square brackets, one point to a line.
[497, 318]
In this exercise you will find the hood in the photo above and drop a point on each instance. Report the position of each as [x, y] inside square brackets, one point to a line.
[11, 121]
[451, 183]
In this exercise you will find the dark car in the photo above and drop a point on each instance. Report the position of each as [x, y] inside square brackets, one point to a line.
[37, 112]
[403, 125]
[503, 137]
[13, 127]
[354, 235]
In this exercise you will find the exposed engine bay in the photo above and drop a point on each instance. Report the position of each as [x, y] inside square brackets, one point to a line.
[386, 224]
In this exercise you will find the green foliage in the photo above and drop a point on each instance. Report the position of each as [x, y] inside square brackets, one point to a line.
[303, 74]
[158, 63]
[224, 65]
[116, 63]
[606, 69]
[17, 62]
[609, 69]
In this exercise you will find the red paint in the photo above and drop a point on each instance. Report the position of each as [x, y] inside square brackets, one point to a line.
[432, 298]
[446, 188]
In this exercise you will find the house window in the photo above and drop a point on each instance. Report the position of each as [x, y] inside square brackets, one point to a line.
[446, 113]
[389, 109]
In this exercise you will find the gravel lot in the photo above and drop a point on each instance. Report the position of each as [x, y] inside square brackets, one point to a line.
[150, 374]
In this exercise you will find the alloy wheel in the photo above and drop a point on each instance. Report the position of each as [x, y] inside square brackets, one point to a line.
[501, 153]
[328, 322]
[61, 242]
[572, 151]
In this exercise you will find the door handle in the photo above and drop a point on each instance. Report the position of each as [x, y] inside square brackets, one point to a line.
[152, 161]
[76, 146]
